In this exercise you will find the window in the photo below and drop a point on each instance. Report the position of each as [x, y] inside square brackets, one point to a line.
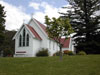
[27, 40]
[24, 37]
[20, 40]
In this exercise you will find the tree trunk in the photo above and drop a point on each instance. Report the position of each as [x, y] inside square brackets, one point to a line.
[61, 55]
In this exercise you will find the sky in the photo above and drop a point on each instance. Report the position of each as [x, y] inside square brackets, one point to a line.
[21, 11]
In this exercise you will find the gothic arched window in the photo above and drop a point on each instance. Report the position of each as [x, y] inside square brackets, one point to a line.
[24, 32]
[27, 40]
[20, 40]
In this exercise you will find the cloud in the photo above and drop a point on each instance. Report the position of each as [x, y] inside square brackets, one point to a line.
[48, 9]
[14, 16]
[34, 5]
[40, 16]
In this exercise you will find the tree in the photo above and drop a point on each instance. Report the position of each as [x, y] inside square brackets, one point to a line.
[2, 27]
[8, 44]
[85, 23]
[57, 28]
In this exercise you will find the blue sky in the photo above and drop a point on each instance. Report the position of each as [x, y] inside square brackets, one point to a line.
[19, 11]
[25, 3]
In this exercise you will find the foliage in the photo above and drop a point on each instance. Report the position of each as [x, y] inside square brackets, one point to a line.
[42, 52]
[85, 22]
[81, 53]
[66, 51]
[58, 27]
[7, 52]
[2, 22]
[71, 65]
[8, 44]
[70, 53]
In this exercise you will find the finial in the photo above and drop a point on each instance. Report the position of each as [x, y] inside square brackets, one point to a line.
[32, 15]
[23, 21]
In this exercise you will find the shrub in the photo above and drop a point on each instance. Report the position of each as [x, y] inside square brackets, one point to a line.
[42, 52]
[56, 54]
[66, 51]
[81, 53]
[7, 52]
[70, 53]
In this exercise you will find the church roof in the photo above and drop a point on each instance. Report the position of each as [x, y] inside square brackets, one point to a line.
[65, 42]
[34, 32]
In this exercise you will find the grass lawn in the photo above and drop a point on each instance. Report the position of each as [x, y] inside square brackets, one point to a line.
[71, 65]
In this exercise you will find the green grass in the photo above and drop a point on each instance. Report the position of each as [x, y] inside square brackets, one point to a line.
[71, 65]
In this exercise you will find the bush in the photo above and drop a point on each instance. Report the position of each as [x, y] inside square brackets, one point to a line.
[7, 52]
[66, 51]
[70, 53]
[81, 53]
[56, 54]
[42, 52]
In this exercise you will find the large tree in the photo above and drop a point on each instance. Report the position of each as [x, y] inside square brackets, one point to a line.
[8, 44]
[86, 24]
[2, 26]
[57, 28]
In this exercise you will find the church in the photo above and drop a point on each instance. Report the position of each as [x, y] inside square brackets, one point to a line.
[32, 37]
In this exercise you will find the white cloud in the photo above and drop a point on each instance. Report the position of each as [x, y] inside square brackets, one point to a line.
[39, 16]
[14, 16]
[49, 10]
[34, 5]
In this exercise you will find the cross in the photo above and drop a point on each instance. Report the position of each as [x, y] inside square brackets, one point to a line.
[32, 15]
[23, 21]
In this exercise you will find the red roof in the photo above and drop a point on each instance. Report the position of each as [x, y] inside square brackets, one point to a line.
[65, 42]
[34, 32]
[42, 26]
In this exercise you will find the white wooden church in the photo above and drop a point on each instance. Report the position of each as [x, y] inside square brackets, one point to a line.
[32, 37]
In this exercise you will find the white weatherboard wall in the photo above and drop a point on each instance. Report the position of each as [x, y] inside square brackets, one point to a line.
[27, 49]
[36, 46]
[71, 45]
[52, 47]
